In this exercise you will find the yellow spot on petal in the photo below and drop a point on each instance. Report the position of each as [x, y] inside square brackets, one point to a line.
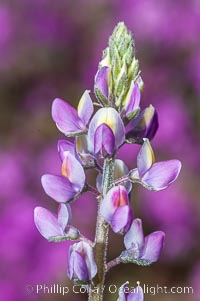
[65, 168]
[148, 114]
[149, 154]
[82, 101]
[108, 117]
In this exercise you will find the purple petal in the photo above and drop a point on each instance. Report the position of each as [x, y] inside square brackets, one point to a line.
[101, 82]
[152, 125]
[86, 252]
[89, 258]
[153, 246]
[130, 294]
[99, 182]
[85, 107]
[66, 117]
[135, 237]
[64, 215]
[137, 295]
[162, 174]
[112, 119]
[58, 187]
[145, 158]
[46, 223]
[65, 146]
[77, 268]
[70, 271]
[73, 170]
[132, 99]
[123, 292]
[145, 125]
[116, 196]
[104, 140]
[122, 219]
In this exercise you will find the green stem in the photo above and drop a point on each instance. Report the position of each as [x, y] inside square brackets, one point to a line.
[101, 237]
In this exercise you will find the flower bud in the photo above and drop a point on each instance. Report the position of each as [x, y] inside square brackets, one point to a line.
[119, 58]
[81, 264]
[145, 125]
[132, 102]
[101, 86]
[116, 210]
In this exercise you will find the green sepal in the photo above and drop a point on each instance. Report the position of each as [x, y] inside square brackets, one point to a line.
[81, 282]
[102, 99]
[134, 179]
[75, 134]
[61, 238]
[127, 257]
[71, 234]
[133, 114]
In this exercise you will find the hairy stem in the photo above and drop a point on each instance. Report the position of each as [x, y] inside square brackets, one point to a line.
[121, 180]
[101, 237]
[113, 263]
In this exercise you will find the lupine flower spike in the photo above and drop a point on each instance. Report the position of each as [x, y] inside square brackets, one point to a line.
[95, 142]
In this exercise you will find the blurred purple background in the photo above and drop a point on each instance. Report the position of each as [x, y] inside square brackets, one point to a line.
[51, 49]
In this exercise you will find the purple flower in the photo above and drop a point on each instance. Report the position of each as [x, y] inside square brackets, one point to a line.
[154, 176]
[134, 295]
[101, 87]
[139, 249]
[106, 132]
[68, 120]
[52, 227]
[132, 101]
[145, 125]
[116, 210]
[81, 264]
[63, 188]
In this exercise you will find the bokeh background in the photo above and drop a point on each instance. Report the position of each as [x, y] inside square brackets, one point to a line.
[51, 49]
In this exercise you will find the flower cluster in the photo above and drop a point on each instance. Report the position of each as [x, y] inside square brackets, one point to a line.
[97, 139]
